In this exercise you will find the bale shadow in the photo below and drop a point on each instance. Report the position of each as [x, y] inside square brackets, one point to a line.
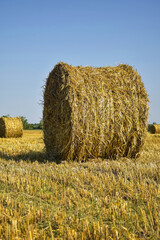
[31, 156]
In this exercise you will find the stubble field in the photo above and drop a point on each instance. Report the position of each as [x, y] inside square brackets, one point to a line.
[98, 199]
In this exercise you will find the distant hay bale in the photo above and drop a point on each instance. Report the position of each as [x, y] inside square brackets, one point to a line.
[94, 112]
[155, 128]
[11, 127]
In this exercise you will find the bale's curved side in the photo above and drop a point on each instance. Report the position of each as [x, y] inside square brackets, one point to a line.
[11, 127]
[94, 112]
[155, 129]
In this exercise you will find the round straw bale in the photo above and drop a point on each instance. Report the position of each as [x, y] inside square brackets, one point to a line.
[11, 127]
[155, 128]
[94, 112]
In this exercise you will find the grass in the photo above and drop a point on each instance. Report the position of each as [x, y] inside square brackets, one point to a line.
[109, 199]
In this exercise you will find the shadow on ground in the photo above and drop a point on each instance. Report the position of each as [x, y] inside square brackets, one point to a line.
[31, 156]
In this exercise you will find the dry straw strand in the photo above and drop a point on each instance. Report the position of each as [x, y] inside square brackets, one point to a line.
[94, 112]
[155, 128]
[11, 127]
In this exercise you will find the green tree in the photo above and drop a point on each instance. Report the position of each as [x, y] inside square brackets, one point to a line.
[41, 124]
[25, 122]
[7, 116]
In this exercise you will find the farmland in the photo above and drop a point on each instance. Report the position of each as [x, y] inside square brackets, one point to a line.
[98, 199]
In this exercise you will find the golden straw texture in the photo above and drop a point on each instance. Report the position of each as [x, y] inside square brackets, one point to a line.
[155, 128]
[94, 112]
[11, 127]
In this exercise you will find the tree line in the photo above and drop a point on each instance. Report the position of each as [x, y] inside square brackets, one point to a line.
[27, 125]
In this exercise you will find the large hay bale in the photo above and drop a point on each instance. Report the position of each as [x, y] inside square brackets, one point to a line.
[155, 128]
[94, 112]
[11, 127]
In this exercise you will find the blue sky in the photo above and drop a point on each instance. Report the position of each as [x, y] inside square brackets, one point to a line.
[36, 34]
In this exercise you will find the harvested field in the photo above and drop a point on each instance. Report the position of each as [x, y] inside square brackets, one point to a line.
[109, 199]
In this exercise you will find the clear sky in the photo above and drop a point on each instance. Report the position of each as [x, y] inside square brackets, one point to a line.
[37, 34]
